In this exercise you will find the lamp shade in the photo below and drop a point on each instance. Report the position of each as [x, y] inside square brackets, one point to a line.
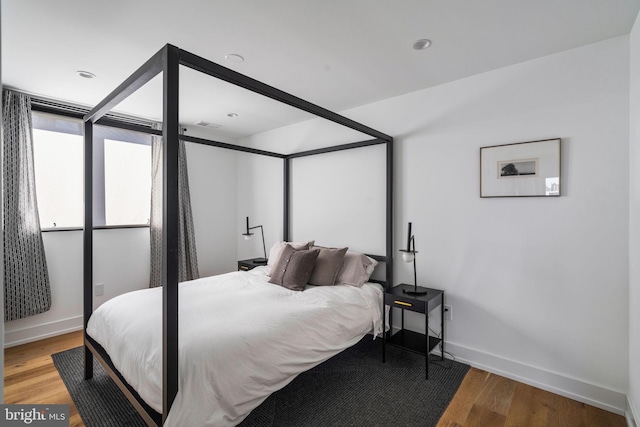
[408, 256]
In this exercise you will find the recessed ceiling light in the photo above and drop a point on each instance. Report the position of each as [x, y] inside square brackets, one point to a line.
[85, 74]
[232, 115]
[235, 58]
[422, 44]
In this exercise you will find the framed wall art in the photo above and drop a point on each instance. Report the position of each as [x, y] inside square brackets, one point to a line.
[524, 169]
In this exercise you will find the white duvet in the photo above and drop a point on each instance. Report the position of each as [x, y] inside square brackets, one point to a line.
[240, 339]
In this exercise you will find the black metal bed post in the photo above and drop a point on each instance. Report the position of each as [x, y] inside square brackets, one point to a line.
[389, 264]
[286, 197]
[170, 140]
[141, 76]
[389, 241]
[87, 297]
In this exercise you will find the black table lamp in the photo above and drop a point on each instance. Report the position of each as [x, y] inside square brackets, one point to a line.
[248, 235]
[409, 255]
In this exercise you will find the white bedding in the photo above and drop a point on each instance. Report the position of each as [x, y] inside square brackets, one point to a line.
[240, 339]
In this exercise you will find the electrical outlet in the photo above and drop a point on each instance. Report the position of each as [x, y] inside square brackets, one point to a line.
[448, 312]
[99, 289]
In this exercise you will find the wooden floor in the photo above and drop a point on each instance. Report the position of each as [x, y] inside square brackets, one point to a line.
[483, 399]
[31, 377]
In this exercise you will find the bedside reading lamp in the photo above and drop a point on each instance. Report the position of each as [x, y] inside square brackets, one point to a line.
[409, 255]
[248, 235]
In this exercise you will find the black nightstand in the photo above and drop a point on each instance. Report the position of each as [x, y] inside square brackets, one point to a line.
[249, 264]
[414, 341]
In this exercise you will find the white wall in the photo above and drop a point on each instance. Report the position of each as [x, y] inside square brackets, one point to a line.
[121, 263]
[339, 199]
[261, 198]
[121, 256]
[634, 226]
[539, 287]
[535, 284]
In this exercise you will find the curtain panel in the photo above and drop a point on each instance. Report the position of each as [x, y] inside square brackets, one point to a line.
[26, 280]
[188, 260]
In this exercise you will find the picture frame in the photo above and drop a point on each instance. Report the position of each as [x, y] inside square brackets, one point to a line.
[523, 169]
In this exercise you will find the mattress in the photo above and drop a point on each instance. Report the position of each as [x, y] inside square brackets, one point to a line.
[240, 339]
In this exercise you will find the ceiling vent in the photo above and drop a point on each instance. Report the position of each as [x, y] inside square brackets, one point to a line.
[208, 125]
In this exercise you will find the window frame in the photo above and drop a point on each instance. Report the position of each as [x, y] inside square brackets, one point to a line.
[100, 134]
[105, 129]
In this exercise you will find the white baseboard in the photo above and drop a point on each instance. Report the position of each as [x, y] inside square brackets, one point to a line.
[42, 331]
[632, 412]
[554, 382]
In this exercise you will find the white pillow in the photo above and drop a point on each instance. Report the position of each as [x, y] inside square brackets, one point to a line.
[356, 269]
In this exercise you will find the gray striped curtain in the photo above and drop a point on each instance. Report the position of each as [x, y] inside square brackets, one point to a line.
[26, 280]
[188, 260]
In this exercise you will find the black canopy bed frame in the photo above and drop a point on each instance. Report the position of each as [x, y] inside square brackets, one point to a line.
[168, 61]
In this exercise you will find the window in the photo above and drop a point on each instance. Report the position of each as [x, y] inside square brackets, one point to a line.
[57, 148]
[127, 184]
[122, 174]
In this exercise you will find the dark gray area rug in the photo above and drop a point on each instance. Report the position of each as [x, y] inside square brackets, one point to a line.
[99, 400]
[353, 388]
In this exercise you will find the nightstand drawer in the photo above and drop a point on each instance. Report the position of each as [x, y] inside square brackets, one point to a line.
[404, 303]
[250, 264]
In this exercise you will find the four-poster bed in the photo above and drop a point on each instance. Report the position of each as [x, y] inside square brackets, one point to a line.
[167, 61]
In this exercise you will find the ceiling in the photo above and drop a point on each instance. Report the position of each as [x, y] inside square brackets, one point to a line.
[338, 54]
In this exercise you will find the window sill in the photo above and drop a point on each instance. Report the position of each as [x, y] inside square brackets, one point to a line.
[97, 227]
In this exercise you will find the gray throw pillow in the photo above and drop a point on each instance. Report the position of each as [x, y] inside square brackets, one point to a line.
[327, 266]
[294, 268]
